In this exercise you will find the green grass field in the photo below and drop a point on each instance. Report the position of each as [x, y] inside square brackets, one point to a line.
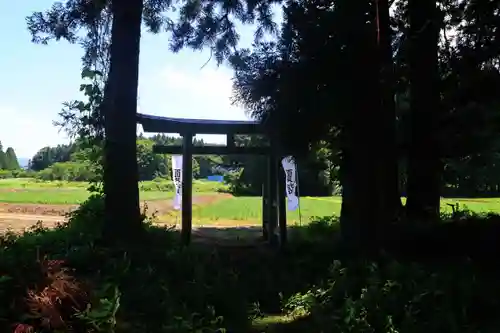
[226, 210]
[61, 192]
[250, 208]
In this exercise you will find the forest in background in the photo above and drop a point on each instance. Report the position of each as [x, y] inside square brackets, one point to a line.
[474, 175]
[8, 159]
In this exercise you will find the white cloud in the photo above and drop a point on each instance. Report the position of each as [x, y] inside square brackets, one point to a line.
[186, 92]
[208, 83]
[209, 88]
[27, 132]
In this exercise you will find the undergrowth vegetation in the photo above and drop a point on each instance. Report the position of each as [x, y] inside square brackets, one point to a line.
[62, 280]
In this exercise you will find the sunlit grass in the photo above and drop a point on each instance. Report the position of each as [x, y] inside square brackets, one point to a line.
[226, 209]
[28, 190]
[250, 208]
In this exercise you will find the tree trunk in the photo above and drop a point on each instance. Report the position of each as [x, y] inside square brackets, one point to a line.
[364, 209]
[120, 108]
[388, 109]
[424, 164]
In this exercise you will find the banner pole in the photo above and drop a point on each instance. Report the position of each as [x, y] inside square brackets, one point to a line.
[177, 178]
[298, 189]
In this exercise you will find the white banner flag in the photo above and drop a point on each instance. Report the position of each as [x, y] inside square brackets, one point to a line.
[177, 179]
[290, 182]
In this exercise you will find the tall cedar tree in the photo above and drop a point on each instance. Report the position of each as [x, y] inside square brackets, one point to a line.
[388, 105]
[3, 160]
[364, 201]
[328, 45]
[424, 163]
[120, 109]
[11, 159]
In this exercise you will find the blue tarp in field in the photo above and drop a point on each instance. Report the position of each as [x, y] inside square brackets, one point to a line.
[216, 178]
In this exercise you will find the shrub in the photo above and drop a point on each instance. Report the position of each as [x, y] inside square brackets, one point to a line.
[164, 287]
[5, 174]
[23, 173]
[235, 185]
[397, 297]
[68, 171]
[20, 173]
[165, 186]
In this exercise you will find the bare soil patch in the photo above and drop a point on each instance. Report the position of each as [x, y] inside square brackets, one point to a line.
[17, 217]
[36, 209]
[159, 206]
[229, 233]
[19, 222]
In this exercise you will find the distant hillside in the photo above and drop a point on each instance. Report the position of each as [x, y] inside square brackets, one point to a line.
[23, 162]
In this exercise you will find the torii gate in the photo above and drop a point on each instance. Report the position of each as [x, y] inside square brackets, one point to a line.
[273, 203]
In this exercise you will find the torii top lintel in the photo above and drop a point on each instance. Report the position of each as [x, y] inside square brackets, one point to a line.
[158, 124]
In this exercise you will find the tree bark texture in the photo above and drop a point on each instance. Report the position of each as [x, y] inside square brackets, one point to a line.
[388, 108]
[120, 108]
[364, 176]
[424, 163]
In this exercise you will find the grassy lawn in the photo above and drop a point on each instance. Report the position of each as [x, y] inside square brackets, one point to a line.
[249, 209]
[64, 196]
[225, 210]
[62, 192]
[33, 184]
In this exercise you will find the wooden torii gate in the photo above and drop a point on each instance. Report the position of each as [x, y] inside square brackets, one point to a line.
[273, 203]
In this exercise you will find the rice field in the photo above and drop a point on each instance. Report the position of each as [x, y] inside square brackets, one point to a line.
[222, 209]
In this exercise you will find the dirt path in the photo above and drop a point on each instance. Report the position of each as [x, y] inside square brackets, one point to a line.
[35, 209]
[159, 206]
[16, 216]
[17, 222]
[238, 233]
[30, 217]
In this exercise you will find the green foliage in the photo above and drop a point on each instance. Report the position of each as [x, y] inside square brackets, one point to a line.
[203, 166]
[47, 156]
[246, 174]
[150, 165]
[158, 184]
[236, 185]
[8, 159]
[3, 160]
[396, 297]
[112, 303]
[213, 25]
[5, 174]
[156, 165]
[272, 80]
[81, 160]
[83, 119]
[68, 171]
[11, 159]
[164, 287]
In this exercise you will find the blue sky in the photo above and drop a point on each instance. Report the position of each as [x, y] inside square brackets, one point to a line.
[37, 79]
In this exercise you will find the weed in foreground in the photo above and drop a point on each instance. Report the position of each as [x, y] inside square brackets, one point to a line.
[311, 286]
